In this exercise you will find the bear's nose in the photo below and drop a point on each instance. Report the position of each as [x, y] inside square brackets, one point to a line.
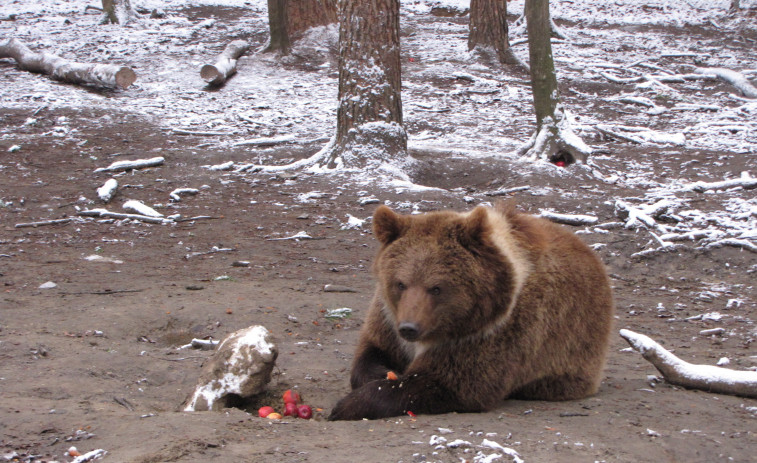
[409, 331]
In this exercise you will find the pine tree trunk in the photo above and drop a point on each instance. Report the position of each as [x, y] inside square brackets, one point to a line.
[277, 24]
[369, 115]
[543, 77]
[305, 14]
[289, 19]
[488, 28]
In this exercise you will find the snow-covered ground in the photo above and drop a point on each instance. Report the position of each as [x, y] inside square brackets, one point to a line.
[455, 103]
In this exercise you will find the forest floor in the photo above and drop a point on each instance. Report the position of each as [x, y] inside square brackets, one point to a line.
[94, 362]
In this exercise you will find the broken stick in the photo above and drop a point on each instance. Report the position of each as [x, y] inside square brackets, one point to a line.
[42, 223]
[226, 63]
[703, 377]
[104, 75]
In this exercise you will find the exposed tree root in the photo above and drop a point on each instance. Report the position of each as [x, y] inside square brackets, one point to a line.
[556, 141]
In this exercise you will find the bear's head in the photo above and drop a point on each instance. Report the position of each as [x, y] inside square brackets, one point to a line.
[446, 275]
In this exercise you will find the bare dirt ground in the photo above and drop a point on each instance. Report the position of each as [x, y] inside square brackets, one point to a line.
[93, 362]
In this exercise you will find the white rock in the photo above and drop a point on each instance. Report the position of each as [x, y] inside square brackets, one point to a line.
[48, 285]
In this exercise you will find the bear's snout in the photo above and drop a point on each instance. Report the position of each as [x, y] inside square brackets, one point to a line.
[409, 331]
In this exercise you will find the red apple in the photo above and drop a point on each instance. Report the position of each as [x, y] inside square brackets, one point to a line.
[290, 409]
[265, 411]
[305, 411]
[291, 397]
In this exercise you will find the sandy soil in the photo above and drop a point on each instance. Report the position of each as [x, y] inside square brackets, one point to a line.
[93, 362]
[66, 384]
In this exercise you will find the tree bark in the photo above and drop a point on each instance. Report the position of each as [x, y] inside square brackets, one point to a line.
[369, 115]
[553, 140]
[277, 24]
[289, 19]
[104, 75]
[488, 28]
[117, 12]
[543, 77]
[226, 63]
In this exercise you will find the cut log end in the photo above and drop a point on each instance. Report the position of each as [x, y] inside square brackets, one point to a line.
[125, 77]
[210, 74]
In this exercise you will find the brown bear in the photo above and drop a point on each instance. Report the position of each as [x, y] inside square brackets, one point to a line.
[472, 308]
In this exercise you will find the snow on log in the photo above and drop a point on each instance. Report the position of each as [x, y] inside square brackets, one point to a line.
[265, 141]
[106, 192]
[225, 166]
[177, 193]
[141, 208]
[104, 75]
[734, 242]
[703, 377]
[745, 181]
[226, 63]
[641, 135]
[89, 456]
[734, 78]
[569, 219]
[116, 215]
[645, 214]
[129, 165]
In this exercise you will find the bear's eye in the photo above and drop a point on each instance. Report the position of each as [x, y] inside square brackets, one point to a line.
[401, 286]
[435, 291]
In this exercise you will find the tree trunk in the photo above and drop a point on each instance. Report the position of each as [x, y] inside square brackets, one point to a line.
[553, 140]
[304, 14]
[277, 24]
[288, 20]
[117, 12]
[543, 77]
[104, 75]
[488, 29]
[369, 115]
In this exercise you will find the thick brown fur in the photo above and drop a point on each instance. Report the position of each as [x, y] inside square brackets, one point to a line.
[473, 308]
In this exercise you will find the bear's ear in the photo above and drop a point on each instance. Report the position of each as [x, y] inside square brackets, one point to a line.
[387, 225]
[475, 227]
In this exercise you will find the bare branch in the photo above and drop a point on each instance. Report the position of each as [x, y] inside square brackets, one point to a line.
[704, 377]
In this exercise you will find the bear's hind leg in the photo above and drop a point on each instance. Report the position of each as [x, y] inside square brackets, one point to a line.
[561, 387]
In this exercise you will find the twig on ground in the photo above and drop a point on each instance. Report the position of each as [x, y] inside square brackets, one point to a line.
[43, 223]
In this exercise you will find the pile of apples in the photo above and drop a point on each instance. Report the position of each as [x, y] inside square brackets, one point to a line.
[292, 407]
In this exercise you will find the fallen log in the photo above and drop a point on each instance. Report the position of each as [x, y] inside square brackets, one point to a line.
[129, 165]
[569, 219]
[226, 63]
[104, 75]
[703, 377]
[115, 215]
[745, 181]
[732, 77]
